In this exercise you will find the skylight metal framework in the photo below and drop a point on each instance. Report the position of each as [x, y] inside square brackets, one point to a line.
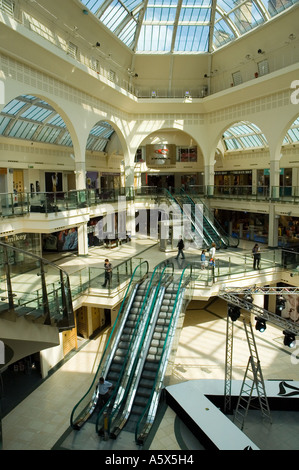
[292, 135]
[30, 118]
[244, 135]
[183, 25]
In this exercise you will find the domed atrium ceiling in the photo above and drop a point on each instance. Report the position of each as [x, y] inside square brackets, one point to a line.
[182, 26]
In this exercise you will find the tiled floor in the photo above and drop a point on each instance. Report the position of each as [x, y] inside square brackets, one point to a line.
[41, 421]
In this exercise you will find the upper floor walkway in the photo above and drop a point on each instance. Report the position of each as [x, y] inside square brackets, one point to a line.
[23, 203]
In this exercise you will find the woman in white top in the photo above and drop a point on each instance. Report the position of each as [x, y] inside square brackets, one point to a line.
[212, 251]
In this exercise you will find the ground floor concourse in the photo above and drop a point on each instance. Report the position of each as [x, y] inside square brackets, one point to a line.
[41, 420]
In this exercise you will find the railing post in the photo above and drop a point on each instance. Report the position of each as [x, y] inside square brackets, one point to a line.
[45, 295]
[8, 278]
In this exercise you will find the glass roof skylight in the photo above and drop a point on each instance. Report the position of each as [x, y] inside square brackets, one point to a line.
[30, 118]
[292, 136]
[183, 25]
[244, 135]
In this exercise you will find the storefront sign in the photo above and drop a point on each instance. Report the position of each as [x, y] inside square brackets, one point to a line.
[161, 155]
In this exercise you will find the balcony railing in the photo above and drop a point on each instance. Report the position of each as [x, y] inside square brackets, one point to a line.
[22, 203]
[44, 295]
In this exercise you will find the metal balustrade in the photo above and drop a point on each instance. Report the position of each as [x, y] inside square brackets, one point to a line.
[45, 294]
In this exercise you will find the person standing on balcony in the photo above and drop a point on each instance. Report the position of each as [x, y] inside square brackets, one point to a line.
[256, 252]
[108, 273]
[212, 251]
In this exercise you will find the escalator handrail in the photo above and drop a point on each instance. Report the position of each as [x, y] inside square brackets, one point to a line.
[215, 222]
[110, 338]
[190, 267]
[121, 374]
[160, 282]
[223, 237]
[172, 198]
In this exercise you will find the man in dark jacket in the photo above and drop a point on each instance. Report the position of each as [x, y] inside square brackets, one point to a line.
[180, 246]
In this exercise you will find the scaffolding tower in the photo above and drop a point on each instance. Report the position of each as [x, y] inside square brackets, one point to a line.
[253, 380]
[253, 370]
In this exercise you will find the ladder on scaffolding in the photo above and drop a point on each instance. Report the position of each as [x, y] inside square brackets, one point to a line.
[253, 379]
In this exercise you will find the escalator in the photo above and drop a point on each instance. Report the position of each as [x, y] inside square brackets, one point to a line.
[204, 232]
[143, 393]
[213, 230]
[144, 311]
[86, 407]
[121, 348]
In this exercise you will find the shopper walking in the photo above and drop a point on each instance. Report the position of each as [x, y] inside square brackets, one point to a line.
[256, 252]
[212, 252]
[108, 272]
[180, 247]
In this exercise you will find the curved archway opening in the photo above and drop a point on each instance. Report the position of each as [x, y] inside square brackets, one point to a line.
[171, 159]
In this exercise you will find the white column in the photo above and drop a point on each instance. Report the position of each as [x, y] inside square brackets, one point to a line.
[273, 227]
[82, 240]
[209, 179]
[295, 182]
[80, 173]
[274, 178]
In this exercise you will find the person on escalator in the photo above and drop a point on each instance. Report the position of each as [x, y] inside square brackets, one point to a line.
[104, 390]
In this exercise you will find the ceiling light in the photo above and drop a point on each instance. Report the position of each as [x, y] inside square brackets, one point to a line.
[234, 312]
[289, 339]
[280, 303]
[260, 324]
[248, 298]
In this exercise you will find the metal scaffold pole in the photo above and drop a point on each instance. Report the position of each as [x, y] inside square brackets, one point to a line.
[228, 365]
[253, 379]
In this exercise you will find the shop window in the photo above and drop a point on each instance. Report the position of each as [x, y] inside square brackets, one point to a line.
[187, 154]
